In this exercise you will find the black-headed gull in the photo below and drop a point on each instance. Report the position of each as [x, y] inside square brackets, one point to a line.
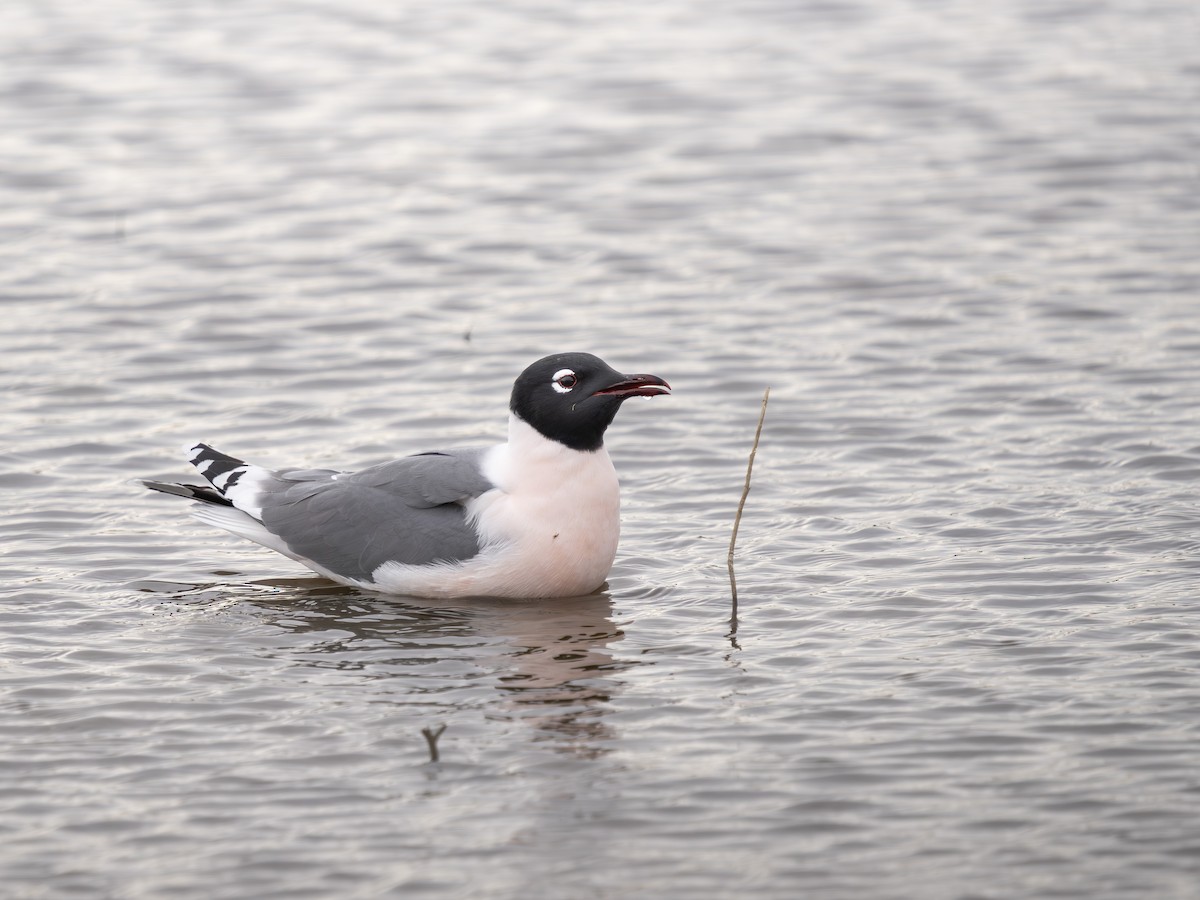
[536, 516]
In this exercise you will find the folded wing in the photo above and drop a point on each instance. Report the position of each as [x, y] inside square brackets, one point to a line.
[410, 511]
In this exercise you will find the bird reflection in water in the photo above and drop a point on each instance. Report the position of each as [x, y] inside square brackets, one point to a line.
[548, 659]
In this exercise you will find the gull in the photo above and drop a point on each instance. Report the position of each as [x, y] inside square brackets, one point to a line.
[535, 516]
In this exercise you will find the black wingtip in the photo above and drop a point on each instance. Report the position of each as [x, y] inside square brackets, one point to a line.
[200, 492]
[214, 464]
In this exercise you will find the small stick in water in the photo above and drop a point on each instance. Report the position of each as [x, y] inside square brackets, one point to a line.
[737, 520]
[431, 738]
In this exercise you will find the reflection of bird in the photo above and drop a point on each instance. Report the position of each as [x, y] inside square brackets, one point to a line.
[536, 516]
[552, 663]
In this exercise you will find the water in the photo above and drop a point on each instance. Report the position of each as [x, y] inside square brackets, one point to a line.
[960, 245]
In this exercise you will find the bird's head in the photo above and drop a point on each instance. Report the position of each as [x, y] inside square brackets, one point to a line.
[572, 397]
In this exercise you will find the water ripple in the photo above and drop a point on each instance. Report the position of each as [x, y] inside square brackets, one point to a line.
[960, 250]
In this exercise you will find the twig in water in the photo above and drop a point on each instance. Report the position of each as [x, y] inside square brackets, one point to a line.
[737, 520]
[431, 738]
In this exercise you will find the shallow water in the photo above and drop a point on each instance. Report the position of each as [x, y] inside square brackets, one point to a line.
[960, 245]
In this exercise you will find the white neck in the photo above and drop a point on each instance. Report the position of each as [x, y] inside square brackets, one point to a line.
[532, 461]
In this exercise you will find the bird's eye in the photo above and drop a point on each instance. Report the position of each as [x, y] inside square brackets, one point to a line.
[563, 380]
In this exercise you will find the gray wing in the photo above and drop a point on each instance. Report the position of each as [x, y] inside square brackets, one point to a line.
[407, 511]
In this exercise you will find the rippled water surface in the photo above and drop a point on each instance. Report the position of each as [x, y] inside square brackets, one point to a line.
[959, 242]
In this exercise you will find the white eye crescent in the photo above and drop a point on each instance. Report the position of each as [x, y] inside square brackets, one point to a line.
[563, 380]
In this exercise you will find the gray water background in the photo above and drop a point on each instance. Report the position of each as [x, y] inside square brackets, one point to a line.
[961, 243]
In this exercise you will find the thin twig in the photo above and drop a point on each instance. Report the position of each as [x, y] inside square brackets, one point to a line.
[737, 520]
[431, 738]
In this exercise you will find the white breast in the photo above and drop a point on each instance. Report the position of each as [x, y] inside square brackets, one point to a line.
[549, 529]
